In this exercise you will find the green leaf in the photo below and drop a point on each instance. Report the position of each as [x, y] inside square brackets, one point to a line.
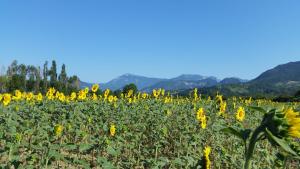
[246, 133]
[112, 151]
[69, 146]
[242, 134]
[108, 165]
[55, 154]
[105, 163]
[81, 162]
[178, 161]
[84, 147]
[165, 130]
[282, 143]
[259, 109]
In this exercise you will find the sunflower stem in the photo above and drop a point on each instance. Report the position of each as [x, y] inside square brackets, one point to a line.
[251, 146]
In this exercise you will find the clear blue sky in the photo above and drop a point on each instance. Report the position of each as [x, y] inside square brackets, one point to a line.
[101, 39]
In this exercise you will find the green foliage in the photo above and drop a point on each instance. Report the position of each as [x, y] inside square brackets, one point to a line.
[53, 75]
[15, 82]
[149, 134]
[28, 78]
[297, 94]
[118, 93]
[63, 79]
[129, 87]
[273, 127]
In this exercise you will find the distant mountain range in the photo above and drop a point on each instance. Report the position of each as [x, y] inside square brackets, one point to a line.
[182, 82]
[283, 79]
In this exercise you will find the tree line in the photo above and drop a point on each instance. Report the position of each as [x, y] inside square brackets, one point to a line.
[31, 78]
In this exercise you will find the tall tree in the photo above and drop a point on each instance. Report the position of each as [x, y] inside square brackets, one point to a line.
[22, 71]
[12, 69]
[30, 78]
[13, 78]
[2, 71]
[31, 73]
[73, 83]
[53, 74]
[3, 79]
[37, 79]
[3, 83]
[62, 78]
[45, 76]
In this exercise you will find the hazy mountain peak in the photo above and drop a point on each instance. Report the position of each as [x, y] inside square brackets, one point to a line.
[139, 81]
[128, 75]
[189, 76]
[193, 77]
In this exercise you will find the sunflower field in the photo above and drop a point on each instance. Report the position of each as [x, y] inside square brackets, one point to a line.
[157, 130]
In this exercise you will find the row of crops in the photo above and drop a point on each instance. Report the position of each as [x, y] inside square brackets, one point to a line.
[157, 130]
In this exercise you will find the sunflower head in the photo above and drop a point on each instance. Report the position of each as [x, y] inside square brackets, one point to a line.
[86, 90]
[206, 161]
[18, 95]
[6, 99]
[283, 123]
[112, 130]
[293, 120]
[203, 122]
[200, 113]
[95, 88]
[110, 98]
[240, 114]
[39, 97]
[58, 129]
[222, 108]
[73, 96]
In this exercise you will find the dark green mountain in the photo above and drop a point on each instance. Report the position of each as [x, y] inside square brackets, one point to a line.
[280, 74]
[282, 80]
[232, 80]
